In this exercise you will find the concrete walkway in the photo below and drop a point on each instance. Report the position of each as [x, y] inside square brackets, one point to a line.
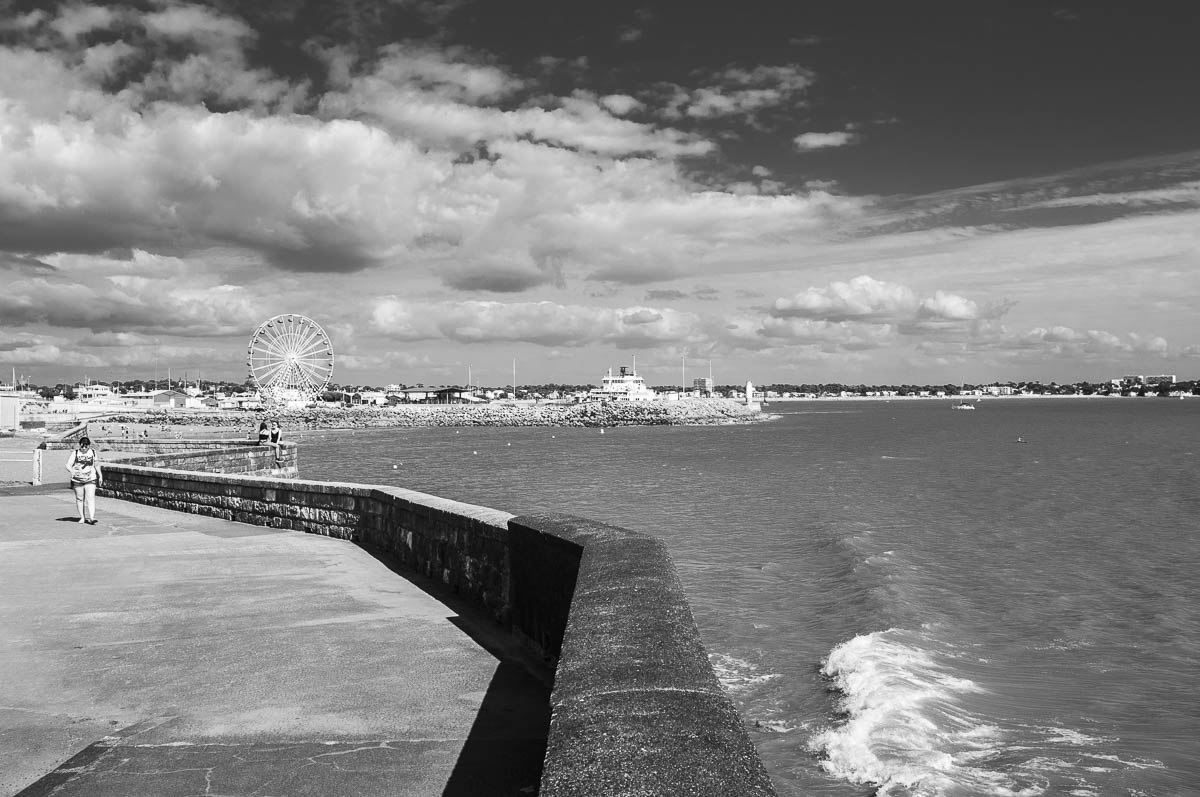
[159, 653]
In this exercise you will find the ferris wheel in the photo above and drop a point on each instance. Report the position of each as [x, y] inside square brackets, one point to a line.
[290, 360]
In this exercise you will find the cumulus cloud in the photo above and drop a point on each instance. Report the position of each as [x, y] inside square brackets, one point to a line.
[994, 343]
[144, 294]
[421, 95]
[132, 303]
[740, 91]
[862, 298]
[808, 142]
[411, 156]
[840, 335]
[947, 306]
[620, 104]
[543, 323]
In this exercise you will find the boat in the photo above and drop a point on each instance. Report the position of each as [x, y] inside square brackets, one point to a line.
[624, 386]
[962, 405]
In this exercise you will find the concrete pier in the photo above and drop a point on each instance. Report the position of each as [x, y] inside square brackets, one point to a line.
[160, 653]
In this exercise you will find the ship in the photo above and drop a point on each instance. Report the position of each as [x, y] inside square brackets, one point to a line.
[624, 386]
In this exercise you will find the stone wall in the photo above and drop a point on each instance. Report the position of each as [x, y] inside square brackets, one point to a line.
[637, 709]
[207, 456]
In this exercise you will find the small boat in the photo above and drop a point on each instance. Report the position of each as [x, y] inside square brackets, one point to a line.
[962, 405]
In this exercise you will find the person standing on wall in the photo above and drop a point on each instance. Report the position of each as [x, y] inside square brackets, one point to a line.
[86, 476]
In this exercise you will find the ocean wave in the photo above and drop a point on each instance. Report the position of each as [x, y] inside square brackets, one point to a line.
[905, 730]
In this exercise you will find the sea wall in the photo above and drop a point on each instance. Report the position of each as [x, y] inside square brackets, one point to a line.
[686, 412]
[637, 709]
[208, 456]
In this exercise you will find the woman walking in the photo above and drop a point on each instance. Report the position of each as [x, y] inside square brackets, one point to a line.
[84, 467]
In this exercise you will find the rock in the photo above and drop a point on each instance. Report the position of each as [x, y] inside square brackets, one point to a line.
[688, 412]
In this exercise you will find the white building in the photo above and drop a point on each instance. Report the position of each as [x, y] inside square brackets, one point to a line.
[94, 394]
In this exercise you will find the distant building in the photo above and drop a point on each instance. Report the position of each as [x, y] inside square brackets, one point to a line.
[156, 399]
[415, 395]
[704, 385]
[1163, 379]
[94, 394]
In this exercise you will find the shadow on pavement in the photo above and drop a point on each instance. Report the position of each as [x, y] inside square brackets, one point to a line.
[505, 748]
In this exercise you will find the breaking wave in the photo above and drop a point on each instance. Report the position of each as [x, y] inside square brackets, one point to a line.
[905, 730]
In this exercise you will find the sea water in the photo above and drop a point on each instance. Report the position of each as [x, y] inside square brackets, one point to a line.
[901, 599]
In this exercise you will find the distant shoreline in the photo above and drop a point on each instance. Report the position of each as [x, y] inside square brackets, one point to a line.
[689, 412]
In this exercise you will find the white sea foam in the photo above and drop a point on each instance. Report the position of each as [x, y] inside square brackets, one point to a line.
[905, 729]
[738, 675]
[1074, 738]
[775, 726]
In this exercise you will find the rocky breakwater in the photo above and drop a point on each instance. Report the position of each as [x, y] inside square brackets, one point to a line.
[688, 412]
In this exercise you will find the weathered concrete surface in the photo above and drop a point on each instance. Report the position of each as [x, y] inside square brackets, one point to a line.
[164, 653]
[637, 709]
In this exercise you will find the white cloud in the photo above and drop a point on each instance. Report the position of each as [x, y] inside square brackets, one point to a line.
[841, 335]
[405, 164]
[808, 142]
[947, 306]
[543, 323]
[620, 104]
[738, 91]
[74, 21]
[199, 24]
[423, 165]
[861, 298]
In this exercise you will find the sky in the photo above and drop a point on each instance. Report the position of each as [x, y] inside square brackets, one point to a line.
[878, 193]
